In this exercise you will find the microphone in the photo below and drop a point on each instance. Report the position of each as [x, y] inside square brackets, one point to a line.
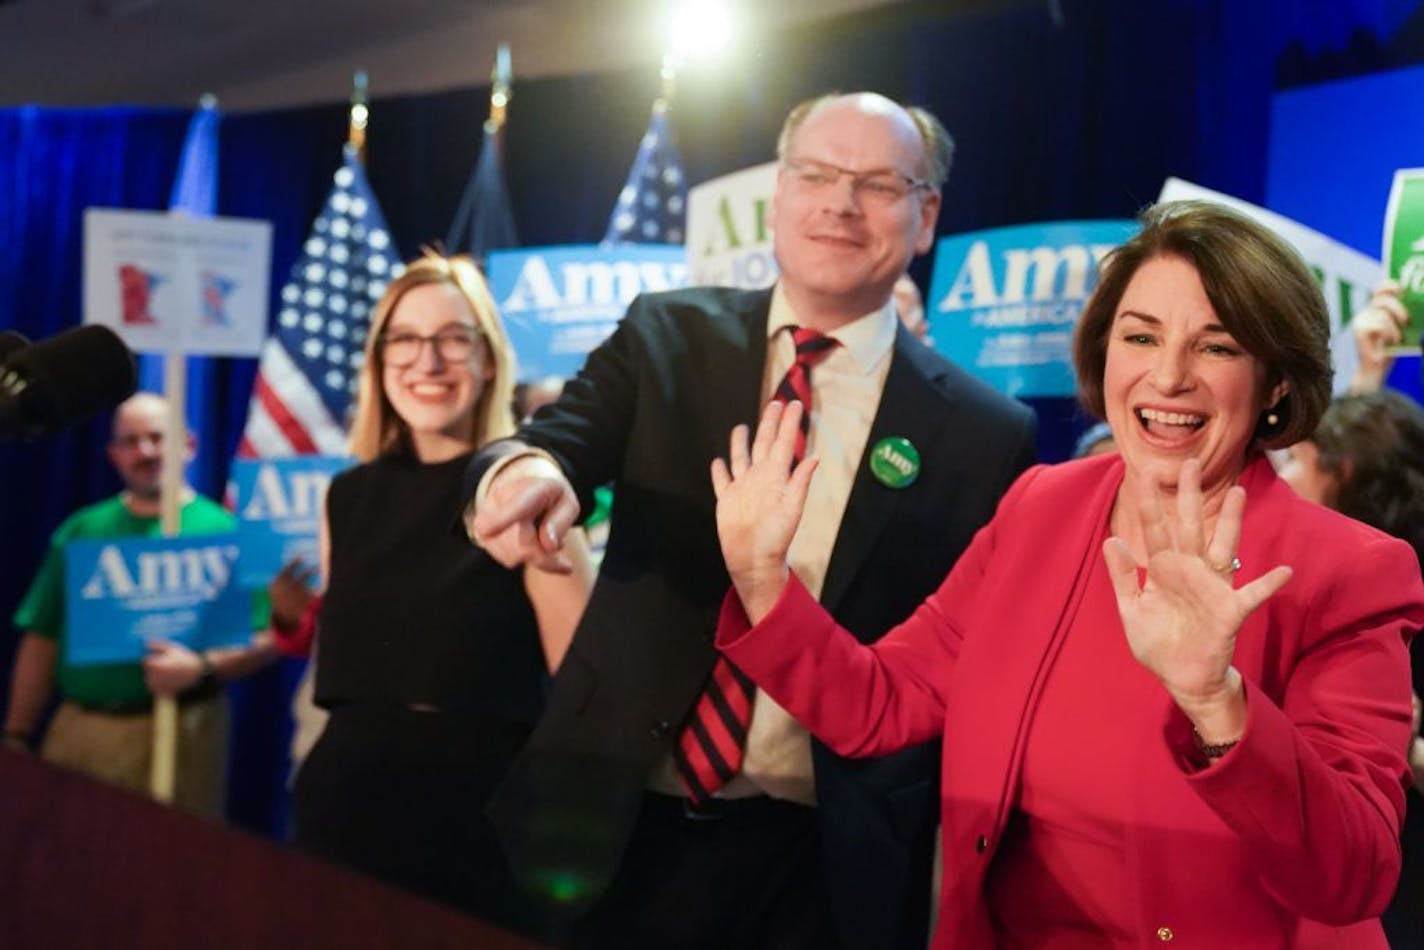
[11, 343]
[53, 384]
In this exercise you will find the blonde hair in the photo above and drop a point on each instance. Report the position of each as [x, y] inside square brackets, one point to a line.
[376, 428]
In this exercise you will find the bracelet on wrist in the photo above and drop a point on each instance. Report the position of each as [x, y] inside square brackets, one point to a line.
[1213, 750]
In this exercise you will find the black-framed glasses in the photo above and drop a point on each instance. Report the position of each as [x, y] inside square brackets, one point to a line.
[401, 348]
[884, 185]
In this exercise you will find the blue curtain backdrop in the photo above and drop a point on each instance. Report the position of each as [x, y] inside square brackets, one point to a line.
[1081, 116]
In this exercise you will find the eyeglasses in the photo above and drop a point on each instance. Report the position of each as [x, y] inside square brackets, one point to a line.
[884, 187]
[401, 348]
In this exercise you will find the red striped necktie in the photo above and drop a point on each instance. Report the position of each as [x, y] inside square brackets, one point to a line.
[712, 745]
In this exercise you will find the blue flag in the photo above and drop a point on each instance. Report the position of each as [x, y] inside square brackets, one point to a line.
[195, 193]
[306, 378]
[484, 221]
[652, 207]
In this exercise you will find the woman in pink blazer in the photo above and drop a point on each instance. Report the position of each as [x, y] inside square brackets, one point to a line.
[1173, 697]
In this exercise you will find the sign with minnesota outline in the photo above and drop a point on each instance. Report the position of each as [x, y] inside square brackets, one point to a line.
[171, 283]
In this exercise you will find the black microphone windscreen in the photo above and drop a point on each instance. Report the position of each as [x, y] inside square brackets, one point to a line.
[57, 382]
[11, 343]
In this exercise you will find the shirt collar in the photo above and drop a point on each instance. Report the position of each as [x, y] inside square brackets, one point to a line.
[867, 339]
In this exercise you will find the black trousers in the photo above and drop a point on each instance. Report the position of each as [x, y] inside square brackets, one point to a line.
[400, 795]
[743, 874]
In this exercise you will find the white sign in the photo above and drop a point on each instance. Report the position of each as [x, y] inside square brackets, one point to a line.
[728, 232]
[1346, 276]
[169, 283]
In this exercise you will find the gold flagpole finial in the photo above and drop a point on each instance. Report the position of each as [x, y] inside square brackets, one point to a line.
[671, 62]
[501, 89]
[360, 112]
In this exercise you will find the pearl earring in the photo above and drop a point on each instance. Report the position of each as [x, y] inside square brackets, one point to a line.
[1272, 419]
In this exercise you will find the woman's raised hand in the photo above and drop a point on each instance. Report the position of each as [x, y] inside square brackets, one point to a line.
[1182, 623]
[760, 498]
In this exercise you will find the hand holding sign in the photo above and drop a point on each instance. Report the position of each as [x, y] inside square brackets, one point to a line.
[170, 668]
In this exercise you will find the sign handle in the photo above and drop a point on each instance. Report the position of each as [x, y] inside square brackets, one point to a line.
[175, 452]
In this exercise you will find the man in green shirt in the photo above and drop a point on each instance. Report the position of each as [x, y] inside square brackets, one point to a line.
[104, 724]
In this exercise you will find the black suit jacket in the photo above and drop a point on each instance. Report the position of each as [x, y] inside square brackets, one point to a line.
[650, 410]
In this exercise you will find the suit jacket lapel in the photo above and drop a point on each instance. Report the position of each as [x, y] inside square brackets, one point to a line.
[901, 413]
[733, 392]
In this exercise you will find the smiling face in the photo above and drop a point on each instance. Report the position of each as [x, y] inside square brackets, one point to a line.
[1176, 384]
[434, 396]
[840, 248]
[136, 445]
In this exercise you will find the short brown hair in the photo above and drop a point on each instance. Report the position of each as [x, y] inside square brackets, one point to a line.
[376, 428]
[1262, 292]
[937, 145]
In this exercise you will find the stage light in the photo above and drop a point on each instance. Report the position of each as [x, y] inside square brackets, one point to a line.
[698, 29]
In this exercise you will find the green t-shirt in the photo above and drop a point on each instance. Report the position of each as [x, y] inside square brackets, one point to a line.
[42, 610]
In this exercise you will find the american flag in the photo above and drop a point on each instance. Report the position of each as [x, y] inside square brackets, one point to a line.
[652, 206]
[306, 379]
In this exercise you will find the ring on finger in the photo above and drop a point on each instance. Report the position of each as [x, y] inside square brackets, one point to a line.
[1234, 566]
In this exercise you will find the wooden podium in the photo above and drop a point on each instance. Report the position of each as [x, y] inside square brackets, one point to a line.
[86, 865]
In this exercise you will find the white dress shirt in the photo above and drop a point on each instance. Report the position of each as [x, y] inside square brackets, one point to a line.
[846, 386]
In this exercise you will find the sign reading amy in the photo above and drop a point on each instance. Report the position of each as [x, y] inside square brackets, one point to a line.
[279, 505]
[728, 238]
[170, 283]
[558, 303]
[121, 593]
[1404, 248]
[1005, 300]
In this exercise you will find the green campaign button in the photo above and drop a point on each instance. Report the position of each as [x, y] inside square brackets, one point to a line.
[895, 462]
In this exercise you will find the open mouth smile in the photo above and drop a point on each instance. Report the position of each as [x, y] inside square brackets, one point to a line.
[1171, 425]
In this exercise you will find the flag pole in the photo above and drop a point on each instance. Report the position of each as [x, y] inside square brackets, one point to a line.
[671, 62]
[360, 113]
[163, 766]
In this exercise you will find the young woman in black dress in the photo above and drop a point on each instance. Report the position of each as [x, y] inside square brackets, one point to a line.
[432, 657]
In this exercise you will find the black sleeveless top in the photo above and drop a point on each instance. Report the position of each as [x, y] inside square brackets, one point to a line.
[414, 613]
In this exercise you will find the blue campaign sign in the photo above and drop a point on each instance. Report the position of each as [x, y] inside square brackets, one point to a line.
[279, 505]
[558, 303]
[1004, 301]
[123, 592]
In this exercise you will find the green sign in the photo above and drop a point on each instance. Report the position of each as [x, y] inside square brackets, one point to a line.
[1404, 247]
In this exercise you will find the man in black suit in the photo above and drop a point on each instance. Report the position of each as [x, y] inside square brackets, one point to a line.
[609, 807]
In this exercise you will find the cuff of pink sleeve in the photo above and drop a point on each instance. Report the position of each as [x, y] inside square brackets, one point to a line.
[734, 627]
[1182, 742]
